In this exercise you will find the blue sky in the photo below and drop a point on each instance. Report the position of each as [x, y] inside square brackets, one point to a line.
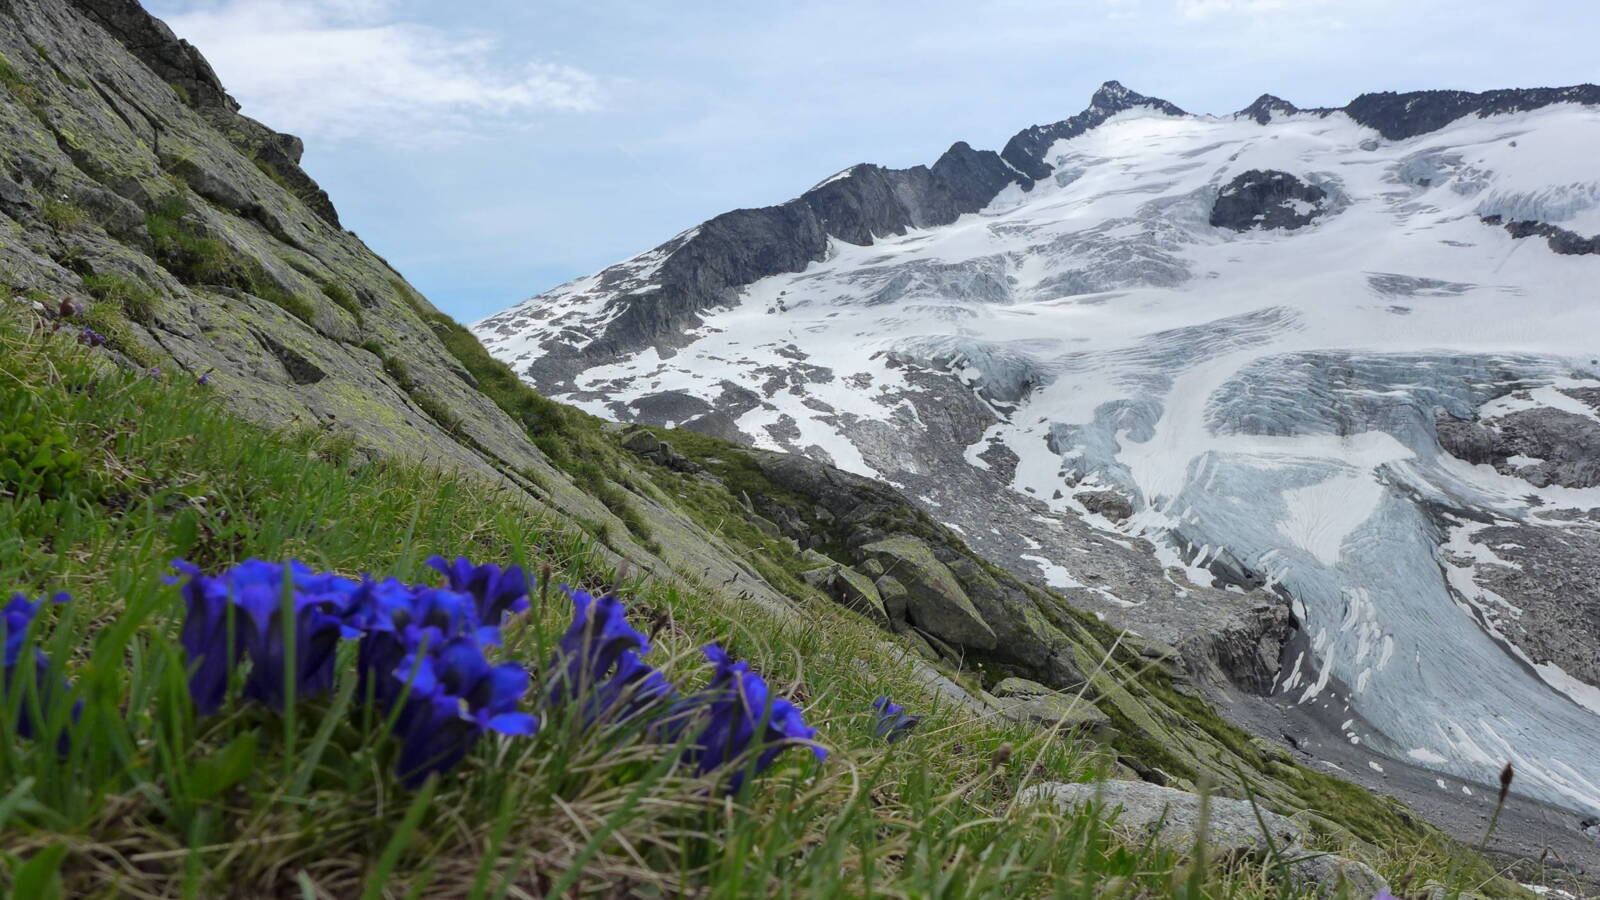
[493, 149]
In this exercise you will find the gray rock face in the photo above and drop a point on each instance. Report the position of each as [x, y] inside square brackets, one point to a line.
[1267, 200]
[1542, 446]
[1398, 116]
[1560, 240]
[936, 601]
[1550, 572]
[123, 129]
[1172, 817]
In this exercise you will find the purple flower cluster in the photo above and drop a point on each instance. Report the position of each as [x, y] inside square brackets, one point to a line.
[270, 633]
[599, 666]
[742, 716]
[894, 723]
[599, 663]
[15, 619]
[421, 657]
[91, 338]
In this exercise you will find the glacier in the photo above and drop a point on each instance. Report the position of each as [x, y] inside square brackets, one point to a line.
[1265, 395]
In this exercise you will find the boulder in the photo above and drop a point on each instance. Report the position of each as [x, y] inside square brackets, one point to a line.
[1020, 687]
[894, 597]
[1336, 876]
[1021, 700]
[641, 442]
[817, 559]
[1110, 504]
[935, 599]
[856, 591]
[1172, 817]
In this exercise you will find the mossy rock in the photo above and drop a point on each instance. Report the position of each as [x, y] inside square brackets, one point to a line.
[935, 599]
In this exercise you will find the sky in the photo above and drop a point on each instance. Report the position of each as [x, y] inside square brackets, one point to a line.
[494, 149]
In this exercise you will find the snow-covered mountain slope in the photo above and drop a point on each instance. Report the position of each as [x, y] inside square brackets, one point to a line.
[1351, 355]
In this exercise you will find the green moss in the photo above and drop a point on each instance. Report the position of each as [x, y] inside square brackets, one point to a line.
[185, 250]
[342, 298]
[137, 300]
[62, 215]
[194, 257]
[19, 86]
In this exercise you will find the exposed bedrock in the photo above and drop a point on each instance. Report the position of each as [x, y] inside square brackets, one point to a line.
[1560, 240]
[1267, 200]
[1542, 446]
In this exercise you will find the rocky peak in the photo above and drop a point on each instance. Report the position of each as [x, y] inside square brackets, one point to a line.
[1026, 150]
[1112, 98]
[1265, 107]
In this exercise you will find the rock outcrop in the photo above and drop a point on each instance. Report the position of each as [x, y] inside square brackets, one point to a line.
[1178, 820]
[1267, 200]
[1558, 239]
[1542, 446]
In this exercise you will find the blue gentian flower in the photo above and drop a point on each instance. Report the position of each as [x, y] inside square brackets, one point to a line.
[893, 722]
[456, 696]
[497, 593]
[599, 663]
[741, 715]
[252, 595]
[592, 647]
[15, 618]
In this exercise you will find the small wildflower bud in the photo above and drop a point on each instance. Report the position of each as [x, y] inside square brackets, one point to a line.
[1506, 775]
[1002, 755]
[69, 308]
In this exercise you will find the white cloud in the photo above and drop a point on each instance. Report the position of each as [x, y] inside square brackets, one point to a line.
[1201, 9]
[343, 69]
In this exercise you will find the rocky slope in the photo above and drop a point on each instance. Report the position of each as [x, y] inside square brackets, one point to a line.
[1187, 370]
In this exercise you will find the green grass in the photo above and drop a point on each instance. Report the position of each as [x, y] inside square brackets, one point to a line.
[152, 800]
[184, 248]
[62, 215]
[342, 298]
[135, 298]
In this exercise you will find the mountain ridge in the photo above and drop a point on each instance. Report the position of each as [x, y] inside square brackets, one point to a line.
[867, 201]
